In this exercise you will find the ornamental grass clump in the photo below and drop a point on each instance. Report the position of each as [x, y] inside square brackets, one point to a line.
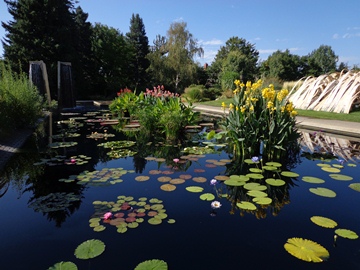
[261, 121]
[20, 102]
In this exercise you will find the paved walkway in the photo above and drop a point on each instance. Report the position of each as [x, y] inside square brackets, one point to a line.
[351, 129]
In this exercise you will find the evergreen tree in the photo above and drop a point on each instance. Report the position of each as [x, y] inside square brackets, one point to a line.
[84, 66]
[40, 30]
[140, 48]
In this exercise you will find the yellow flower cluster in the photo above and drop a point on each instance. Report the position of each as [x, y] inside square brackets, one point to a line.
[282, 94]
[269, 92]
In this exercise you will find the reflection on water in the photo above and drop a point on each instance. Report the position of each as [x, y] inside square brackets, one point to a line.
[198, 230]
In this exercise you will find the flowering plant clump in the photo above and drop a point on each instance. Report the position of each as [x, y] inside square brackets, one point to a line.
[159, 112]
[261, 121]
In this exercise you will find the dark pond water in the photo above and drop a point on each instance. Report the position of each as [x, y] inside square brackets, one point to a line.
[35, 236]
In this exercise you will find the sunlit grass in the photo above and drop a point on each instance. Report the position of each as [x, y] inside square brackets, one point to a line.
[352, 117]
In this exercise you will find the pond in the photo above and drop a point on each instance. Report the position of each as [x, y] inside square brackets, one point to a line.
[51, 203]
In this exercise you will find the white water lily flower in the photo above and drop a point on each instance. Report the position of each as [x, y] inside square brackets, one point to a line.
[215, 204]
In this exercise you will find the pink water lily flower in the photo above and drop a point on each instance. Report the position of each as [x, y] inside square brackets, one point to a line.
[107, 215]
[176, 160]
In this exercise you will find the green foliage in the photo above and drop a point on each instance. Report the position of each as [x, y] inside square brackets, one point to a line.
[139, 44]
[112, 54]
[228, 78]
[239, 56]
[194, 92]
[159, 112]
[171, 60]
[212, 93]
[282, 65]
[20, 103]
[260, 121]
[322, 60]
[40, 30]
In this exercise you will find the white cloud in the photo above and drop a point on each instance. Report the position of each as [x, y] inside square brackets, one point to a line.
[266, 51]
[212, 42]
[257, 38]
[180, 19]
[336, 36]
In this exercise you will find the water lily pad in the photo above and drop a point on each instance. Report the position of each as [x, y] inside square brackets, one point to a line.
[142, 178]
[99, 228]
[306, 250]
[331, 169]
[171, 221]
[262, 200]
[221, 177]
[63, 266]
[341, 177]
[355, 186]
[207, 197]
[323, 221]
[89, 249]
[122, 229]
[155, 221]
[255, 170]
[168, 187]
[177, 181]
[255, 175]
[133, 225]
[164, 179]
[199, 179]
[289, 174]
[313, 180]
[269, 168]
[275, 182]
[234, 182]
[346, 233]
[256, 193]
[246, 205]
[194, 189]
[325, 192]
[273, 163]
[254, 186]
[152, 264]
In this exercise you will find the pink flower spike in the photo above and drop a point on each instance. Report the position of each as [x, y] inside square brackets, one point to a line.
[176, 160]
[107, 215]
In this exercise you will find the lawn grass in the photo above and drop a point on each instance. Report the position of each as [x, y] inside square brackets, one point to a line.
[351, 117]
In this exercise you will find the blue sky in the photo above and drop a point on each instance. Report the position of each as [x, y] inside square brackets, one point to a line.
[300, 26]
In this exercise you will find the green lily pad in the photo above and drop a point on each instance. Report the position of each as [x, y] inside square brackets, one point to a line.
[133, 225]
[331, 169]
[234, 183]
[194, 189]
[171, 221]
[274, 164]
[63, 266]
[240, 177]
[246, 205]
[89, 249]
[323, 221]
[254, 186]
[155, 221]
[325, 192]
[275, 182]
[346, 233]
[289, 174]
[207, 197]
[355, 186]
[122, 229]
[262, 200]
[313, 180]
[269, 168]
[256, 193]
[152, 264]
[255, 170]
[99, 228]
[255, 175]
[352, 165]
[341, 177]
[306, 250]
